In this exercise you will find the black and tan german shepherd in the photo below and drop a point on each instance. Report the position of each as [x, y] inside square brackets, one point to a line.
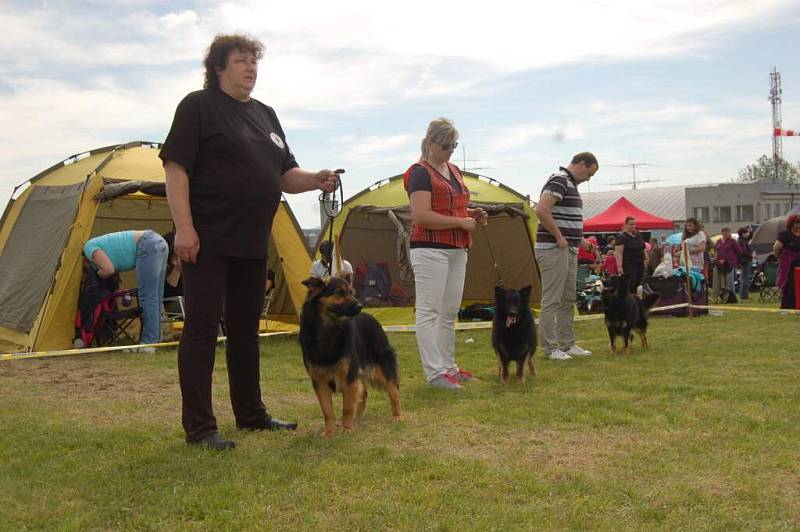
[343, 350]
[513, 332]
[625, 312]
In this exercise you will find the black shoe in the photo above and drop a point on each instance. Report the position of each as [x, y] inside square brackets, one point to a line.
[268, 424]
[214, 441]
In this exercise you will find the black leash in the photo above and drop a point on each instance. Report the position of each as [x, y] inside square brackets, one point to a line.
[494, 259]
[332, 209]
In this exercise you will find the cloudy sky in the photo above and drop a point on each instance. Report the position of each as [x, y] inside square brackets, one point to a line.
[681, 85]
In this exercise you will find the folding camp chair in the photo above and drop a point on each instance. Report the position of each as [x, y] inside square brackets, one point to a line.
[123, 320]
[172, 309]
[105, 314]
[768, 279]
[109, 318]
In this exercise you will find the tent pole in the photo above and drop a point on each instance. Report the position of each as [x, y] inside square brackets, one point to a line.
[687, 260]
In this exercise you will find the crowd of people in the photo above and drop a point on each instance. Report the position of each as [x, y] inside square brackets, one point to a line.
[227, 163]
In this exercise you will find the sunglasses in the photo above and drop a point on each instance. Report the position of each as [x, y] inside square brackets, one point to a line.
[446, 147]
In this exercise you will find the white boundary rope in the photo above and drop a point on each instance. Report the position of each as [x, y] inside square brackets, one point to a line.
[462, 326]
[112, 349]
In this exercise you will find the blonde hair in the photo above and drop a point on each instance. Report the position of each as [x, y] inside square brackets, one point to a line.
[440, 131]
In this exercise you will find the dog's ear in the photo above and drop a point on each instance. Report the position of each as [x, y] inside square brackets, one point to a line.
[315, 286]
[499, 294]
[525, 292]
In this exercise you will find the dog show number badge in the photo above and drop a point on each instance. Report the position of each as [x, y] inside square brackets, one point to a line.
[276, 139]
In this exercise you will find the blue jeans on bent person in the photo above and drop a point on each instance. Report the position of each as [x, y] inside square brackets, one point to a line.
[151, 269]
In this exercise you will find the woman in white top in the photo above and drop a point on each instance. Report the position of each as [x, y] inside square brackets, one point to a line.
[695, 240]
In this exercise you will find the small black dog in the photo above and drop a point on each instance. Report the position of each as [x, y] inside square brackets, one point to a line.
[343, 349]
[514, 332]
[625, 312]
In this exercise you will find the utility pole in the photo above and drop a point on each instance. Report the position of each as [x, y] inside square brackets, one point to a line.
[775, 99]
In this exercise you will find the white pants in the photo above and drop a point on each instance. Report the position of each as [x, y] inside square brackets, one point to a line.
[439, 277]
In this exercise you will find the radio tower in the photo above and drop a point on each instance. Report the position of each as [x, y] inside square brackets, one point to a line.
[775, 99]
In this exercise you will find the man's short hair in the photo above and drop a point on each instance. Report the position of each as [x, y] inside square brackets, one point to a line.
[585, 157]
[726, 228]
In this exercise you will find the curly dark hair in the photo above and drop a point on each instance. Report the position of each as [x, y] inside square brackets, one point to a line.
[220, 48]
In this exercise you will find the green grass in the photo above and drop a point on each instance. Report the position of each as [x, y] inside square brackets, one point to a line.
[699, 432]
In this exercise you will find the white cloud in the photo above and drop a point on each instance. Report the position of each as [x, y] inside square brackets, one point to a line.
[77, 76]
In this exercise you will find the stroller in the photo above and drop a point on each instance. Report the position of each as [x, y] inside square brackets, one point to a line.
[590, 290]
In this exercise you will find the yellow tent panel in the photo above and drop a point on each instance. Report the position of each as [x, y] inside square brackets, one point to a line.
[367, 237]
[38, 302]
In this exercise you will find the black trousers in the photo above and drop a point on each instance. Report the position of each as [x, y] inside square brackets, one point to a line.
[635, 272]
[210, 284]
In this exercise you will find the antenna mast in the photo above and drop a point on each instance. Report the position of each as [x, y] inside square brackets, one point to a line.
[633, 167]
[775, 99]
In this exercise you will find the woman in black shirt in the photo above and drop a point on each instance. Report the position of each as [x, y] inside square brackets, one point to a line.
[629, 251]
[227, 163]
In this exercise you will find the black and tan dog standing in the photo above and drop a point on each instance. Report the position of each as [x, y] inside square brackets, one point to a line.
[343, 350]
[514, 332]
[625, 312]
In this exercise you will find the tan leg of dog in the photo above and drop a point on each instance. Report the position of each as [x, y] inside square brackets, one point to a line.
[392, 391]
[643, 337]
[532, 365]
[394, 399]
[362, 402]
[521, 372]
[325, 398]
[349, 397]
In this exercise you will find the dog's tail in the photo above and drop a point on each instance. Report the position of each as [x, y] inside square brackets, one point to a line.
[648, 300]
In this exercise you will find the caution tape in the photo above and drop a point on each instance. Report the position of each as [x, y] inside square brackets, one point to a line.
[114, 348]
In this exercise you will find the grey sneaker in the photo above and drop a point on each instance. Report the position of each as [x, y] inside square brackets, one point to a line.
[445, 381]
[140, 349]
[577, 351]
[558, 354]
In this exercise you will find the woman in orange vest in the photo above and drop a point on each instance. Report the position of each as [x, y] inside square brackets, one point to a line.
[441, 234]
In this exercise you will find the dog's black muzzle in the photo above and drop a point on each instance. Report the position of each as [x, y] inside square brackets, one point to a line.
[350, 309]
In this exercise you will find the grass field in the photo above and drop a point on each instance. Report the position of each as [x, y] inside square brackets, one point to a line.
[702, 431]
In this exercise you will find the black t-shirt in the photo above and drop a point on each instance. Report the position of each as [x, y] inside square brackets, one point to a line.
[421, 180]
[789, 240]
[235, 154]
[632, 250]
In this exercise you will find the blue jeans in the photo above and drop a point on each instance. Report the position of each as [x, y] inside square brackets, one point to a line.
[151, 269]
[745, 279]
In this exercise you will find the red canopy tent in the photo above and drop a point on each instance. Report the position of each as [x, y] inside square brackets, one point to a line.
[613, 218]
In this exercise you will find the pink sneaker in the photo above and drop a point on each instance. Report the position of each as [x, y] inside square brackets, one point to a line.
[463, 376]
[446, 381]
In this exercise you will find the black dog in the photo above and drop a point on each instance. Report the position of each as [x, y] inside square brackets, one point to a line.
[513, 332]
[343, 349]
[625, 312]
